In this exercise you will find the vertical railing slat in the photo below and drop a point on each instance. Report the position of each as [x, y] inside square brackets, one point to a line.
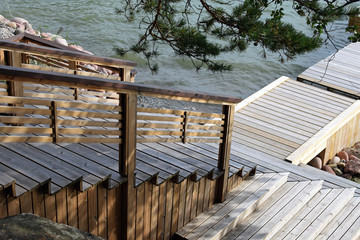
[185, 124]
[54, 121]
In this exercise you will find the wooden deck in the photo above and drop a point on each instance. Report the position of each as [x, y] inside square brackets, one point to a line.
[339, 72]
[181, 156]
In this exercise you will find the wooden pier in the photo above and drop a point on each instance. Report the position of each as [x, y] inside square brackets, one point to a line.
[76, 149]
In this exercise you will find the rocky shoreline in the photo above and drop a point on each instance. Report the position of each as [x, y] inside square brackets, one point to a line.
[345, 164]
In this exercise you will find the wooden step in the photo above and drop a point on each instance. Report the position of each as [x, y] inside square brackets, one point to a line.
[240, 203]
[274, 213]
[316, 215]
[345, 225]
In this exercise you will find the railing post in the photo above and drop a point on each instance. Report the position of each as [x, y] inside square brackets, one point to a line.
[224, 153]
[15, 88]
[127, 163]
[125, 74]
[2, 57]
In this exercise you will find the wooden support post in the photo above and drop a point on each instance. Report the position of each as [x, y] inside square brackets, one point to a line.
[2, 57]
[127, 164]
[15, 88]
[73, 66]
[224, 153]
[125, 75]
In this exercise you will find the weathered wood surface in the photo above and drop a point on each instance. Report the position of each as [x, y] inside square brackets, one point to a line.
[340, 71]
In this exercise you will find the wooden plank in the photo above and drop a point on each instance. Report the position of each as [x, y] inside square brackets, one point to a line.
[175, 209]
[161, 212]
[84, 114]
[102, 210]
[72, 206]
[104, 84]
[206, 194]
[24, 120]
[24, 110]
[147, 209]
[168, 209]
[200, 203]
[159, 118]
[92, 210]
[3, 205]
[182, 202]
[50, 207]
[9, 139]
[91, 123]
[78, 131]
[25, 130]
[26, 204]
[194, 200]
[13, 206]
[155, 200]
[139, 221]
[188, 203]
[113, 209]
[61, 211]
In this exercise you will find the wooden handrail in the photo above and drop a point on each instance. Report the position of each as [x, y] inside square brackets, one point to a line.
[74, 81]
[58, 53]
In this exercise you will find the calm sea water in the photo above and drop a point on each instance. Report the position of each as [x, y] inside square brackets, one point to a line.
[94, 25]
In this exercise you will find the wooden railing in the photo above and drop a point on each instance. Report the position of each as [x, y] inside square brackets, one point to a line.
[29, 116]
[57, 58]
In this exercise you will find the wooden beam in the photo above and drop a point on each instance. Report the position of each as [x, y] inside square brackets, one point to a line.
[127, 163]
[224, 153]
[60, 79]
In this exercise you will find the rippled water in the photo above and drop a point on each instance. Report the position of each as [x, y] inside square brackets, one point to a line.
[95, 26]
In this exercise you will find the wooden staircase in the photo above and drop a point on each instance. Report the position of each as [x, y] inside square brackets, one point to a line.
[267, 206]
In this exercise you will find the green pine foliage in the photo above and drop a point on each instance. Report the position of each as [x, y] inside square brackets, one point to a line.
[194, 29]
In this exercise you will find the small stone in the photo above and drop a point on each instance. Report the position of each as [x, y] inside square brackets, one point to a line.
[18, 31]
[343, 155]
[328, 169]
[77, 47]
[333, 165]
[316, 162]
[61, 41]
[28, 26]
[3, 20]
[19, 20]
[335, 160]
[31, 31]
[352, 167]
[341, 165]
[347, 176]
[357, 145]
[11, 24]
[352, 157]
[338, 171]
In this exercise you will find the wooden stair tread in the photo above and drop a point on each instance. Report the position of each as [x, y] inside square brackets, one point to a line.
[240, 202]
[347, 221]
[274, 213]
[316, 215]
